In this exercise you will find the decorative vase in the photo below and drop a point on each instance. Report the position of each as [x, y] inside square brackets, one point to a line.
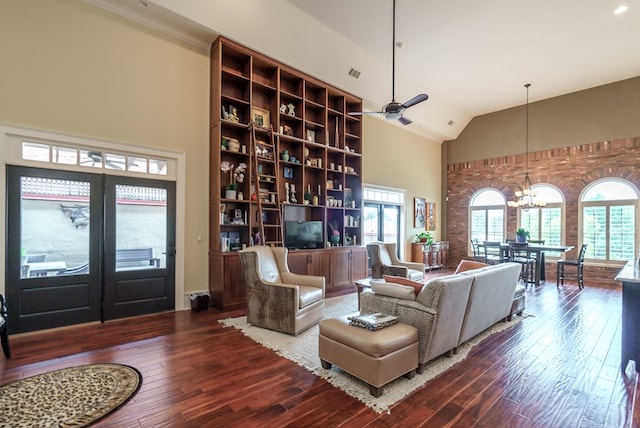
[335, 238]
[521, 238]
[230, 193]
[285, 156]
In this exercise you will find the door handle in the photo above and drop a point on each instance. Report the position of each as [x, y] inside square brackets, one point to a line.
[170, 253]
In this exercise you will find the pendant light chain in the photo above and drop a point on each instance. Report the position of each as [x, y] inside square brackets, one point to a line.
[526, 198]
[526, 135]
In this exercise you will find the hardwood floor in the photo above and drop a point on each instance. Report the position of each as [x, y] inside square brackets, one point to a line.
[557, 368]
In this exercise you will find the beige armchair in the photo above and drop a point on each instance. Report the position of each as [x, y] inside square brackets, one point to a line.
[384, 261]
[278, 299]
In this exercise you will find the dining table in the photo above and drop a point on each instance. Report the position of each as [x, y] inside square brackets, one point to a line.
[538, 250]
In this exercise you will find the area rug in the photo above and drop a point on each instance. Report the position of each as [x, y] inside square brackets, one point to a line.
[71, 397]
[303, 350]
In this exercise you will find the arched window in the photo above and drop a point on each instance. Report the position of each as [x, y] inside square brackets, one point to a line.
[608, 219]
[545, 223]
[486, 215]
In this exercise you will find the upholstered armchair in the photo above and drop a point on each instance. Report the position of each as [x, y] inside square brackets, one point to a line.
[384, 261]
[278, 299]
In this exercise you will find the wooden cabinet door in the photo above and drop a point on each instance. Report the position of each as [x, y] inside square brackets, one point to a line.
[340, 268]
[347, 265]
[358, 263]
[319, 264]
[235, 286]
[417, 252]
[298, 262]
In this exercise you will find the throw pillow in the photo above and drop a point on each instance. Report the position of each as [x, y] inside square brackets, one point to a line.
[393, 290]
[466, 265]
[417, 285]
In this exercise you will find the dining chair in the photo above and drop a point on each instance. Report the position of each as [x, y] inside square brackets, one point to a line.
[519, 253]
[493, 253]
[579, 264]
[478, 254]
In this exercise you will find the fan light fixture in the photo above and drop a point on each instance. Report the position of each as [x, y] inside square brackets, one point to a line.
[525, 197]
[395, 110]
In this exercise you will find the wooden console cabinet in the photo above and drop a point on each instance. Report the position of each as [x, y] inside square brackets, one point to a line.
[434, 256]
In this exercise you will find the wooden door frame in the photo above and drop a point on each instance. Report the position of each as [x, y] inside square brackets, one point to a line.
[10, 154]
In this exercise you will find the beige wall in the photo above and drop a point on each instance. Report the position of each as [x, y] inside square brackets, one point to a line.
[72, 68]
[395, 157]
[607, 112]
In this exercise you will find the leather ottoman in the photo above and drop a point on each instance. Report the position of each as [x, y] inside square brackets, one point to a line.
[376, 357]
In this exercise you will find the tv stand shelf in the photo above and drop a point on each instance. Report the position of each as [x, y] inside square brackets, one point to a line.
[313, 169]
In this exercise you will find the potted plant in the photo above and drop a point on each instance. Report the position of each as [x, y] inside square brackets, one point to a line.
[236, 175]
[424, 238]
[522, 235]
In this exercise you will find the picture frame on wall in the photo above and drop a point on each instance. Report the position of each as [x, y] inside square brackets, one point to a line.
[419, 219]
[431, 216]
[260, 117]
[288, 172]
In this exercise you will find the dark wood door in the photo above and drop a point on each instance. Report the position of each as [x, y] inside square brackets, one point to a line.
[53, 249]
[77, 251]
[140, 243]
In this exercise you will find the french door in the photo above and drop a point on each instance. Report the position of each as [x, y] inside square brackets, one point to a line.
[87, 247]
[381, 223]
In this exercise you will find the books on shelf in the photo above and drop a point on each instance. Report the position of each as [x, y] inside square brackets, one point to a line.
[374, 321]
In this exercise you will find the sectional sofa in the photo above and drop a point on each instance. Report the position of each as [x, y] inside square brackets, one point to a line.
[448, 310]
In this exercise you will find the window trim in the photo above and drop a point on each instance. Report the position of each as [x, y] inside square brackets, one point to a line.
[484, 208]
[607, 203]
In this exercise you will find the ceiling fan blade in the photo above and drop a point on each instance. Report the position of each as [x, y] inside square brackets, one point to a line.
[360, 113]
[415, 100]
[404, 120]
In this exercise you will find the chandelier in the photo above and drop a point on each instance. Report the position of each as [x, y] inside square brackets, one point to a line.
[525, 197]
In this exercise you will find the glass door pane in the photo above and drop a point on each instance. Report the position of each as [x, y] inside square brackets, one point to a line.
[54, 226]
[391, 216]
[371, 223]
[141, 227]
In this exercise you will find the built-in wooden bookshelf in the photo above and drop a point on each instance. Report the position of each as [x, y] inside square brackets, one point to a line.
[319, 178]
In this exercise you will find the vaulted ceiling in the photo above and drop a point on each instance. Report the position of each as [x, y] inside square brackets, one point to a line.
[471, 57]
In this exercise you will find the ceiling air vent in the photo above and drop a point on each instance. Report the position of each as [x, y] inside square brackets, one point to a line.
[354, 73]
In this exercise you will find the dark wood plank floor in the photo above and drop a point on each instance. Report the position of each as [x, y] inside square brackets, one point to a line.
[558, 368]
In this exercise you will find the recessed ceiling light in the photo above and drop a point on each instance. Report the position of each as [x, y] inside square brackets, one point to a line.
[621, 9]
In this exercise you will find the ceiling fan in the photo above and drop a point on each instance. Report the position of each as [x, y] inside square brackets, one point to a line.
[395, 110]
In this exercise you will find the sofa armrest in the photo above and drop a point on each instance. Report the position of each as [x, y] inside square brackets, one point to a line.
[408, 312]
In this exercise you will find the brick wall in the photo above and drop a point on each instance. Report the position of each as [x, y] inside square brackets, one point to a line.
[570, 169]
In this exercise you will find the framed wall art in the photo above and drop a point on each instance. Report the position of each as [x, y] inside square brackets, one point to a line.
[431, 216]
[419, 212]
[260, 117]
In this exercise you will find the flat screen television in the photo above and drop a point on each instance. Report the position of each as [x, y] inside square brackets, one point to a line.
[303, 234]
